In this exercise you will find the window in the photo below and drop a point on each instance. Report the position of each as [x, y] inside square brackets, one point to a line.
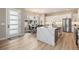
[13, 17]
[13, 12]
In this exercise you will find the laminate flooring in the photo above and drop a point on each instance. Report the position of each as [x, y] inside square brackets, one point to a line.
[29, 42]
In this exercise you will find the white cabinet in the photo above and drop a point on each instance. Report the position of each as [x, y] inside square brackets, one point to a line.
[46, 34]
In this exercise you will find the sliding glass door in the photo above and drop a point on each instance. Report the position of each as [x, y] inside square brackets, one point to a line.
[13, 22]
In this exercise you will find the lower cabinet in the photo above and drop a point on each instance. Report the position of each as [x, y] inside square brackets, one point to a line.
[47, 35]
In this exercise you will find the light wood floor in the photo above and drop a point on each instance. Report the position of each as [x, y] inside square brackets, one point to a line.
[30, 42]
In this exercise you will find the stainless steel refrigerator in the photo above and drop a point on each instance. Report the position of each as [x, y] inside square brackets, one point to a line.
[66, 23]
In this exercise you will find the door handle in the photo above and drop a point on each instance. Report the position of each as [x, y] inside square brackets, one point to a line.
[8, 26]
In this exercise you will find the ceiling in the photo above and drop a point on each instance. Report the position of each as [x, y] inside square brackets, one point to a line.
[46, 10]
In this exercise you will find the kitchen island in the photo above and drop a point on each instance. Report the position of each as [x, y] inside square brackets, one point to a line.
[47, 35]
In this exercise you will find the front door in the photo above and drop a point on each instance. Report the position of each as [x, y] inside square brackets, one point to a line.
[13, 22]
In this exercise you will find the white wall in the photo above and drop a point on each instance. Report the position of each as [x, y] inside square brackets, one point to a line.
[22, 21]
[2, 23]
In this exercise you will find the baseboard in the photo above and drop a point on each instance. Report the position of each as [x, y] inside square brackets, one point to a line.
[5, 38]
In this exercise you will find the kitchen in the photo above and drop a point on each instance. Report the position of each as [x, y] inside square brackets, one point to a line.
[40, 29]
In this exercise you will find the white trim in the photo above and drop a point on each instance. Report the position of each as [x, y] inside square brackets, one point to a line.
[6, 23]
